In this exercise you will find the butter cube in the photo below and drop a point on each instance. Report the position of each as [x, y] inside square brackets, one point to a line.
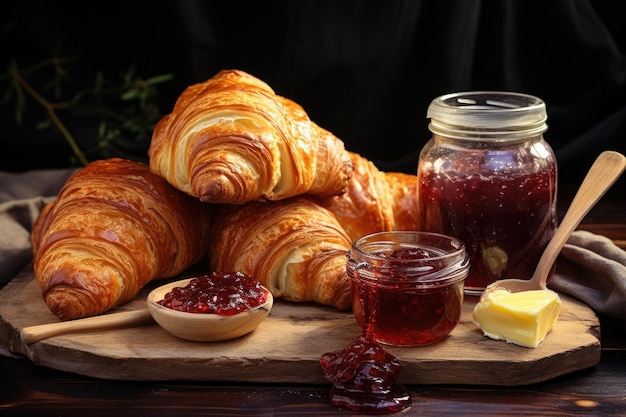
[523, 318]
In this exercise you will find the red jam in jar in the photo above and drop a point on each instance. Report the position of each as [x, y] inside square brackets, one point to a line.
[407, 287]
[488, 177]
[225, 294]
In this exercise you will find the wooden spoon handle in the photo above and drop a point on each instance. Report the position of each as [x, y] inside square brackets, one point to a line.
[107, 321]
[607, 168]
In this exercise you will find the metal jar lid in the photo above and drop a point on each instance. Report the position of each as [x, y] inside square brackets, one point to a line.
[487, 115]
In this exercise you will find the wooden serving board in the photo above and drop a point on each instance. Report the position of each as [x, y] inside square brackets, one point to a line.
[287, 346]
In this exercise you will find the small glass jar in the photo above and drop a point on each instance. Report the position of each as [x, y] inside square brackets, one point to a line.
[407, 287]
[488, 177]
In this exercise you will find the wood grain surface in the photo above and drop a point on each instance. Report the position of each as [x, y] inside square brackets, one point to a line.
[286, 347]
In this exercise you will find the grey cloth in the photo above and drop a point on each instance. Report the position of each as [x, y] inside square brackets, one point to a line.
[593, 269]
[18, 186]
[16, 221]
[590, 268]
[22, 195]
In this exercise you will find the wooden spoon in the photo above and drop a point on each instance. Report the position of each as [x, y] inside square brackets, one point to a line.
[601, 176]
[106, 321]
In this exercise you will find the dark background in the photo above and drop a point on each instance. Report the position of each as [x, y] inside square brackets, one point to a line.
[365, 70]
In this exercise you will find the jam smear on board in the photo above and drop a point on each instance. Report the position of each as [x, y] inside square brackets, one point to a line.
[364, 378]
[225, 294]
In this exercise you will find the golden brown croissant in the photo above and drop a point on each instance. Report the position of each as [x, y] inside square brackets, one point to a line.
[375, 201]
[114, 226]
[294, 247]
[232, 140]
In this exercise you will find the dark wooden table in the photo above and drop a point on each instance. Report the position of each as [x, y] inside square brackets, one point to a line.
[30, 390]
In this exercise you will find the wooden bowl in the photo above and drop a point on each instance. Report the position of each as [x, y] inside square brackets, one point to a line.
[202, 327]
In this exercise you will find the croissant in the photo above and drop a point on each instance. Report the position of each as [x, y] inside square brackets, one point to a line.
[114, 227]
[375, 201]
[294, 247]
[232, 140]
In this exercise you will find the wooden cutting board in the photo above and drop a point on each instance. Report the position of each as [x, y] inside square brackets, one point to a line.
[287, 346]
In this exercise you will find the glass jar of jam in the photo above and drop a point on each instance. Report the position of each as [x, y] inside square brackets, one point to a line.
[488, 177]
[407, 287]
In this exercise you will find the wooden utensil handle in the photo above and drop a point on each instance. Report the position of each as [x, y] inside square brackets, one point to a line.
[123, 319]
[606, 169]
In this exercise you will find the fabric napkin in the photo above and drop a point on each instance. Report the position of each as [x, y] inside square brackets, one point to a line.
[590, 268]
[22, 195]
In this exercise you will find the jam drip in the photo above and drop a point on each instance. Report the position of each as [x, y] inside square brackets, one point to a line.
[364, 377]
[225, 294]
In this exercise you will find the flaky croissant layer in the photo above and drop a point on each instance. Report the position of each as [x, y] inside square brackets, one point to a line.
[375, 201]
[232, 140]
[295, 247]
[114, 227]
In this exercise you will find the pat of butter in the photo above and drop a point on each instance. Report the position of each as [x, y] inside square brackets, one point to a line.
[523, 318]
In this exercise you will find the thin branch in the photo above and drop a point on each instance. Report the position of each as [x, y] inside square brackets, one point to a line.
[49, 107]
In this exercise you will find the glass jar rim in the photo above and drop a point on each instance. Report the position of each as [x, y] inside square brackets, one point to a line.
[491, 115]
[456, 245]
[421, 273]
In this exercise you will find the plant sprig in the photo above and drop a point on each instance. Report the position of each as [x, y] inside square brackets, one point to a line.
[122, 114]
